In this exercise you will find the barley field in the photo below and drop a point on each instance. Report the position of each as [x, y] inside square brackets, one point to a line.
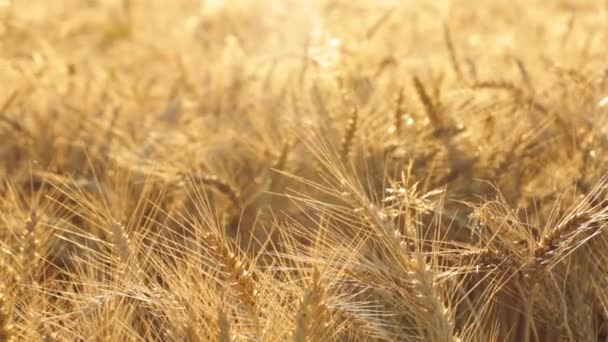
[303, 170]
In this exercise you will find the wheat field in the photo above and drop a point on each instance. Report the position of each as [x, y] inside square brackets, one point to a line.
[303, 170]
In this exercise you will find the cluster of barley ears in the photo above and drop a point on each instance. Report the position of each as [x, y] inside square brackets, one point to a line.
[303, 170]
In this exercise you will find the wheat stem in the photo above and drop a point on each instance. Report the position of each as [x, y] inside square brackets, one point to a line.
[5, 320]
[224, 333]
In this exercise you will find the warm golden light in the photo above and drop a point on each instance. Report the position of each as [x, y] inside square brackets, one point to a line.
[303, 170]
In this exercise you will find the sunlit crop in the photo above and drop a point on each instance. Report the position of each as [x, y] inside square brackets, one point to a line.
[314, 170]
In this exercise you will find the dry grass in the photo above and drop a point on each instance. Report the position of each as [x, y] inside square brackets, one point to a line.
[303, 170]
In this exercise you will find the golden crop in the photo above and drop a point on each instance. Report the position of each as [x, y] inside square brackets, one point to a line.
[314, 170]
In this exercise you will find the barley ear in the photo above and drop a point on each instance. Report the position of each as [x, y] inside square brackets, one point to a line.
[121, 242]
[30, 243]
[452, 52]
[241, 280]
[398, 113]
[349, 135]
[562, 236]
[429, 106]
[241, 277]
[223, 187]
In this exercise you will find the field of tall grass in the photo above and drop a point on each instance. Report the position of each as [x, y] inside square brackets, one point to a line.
[303, 170]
